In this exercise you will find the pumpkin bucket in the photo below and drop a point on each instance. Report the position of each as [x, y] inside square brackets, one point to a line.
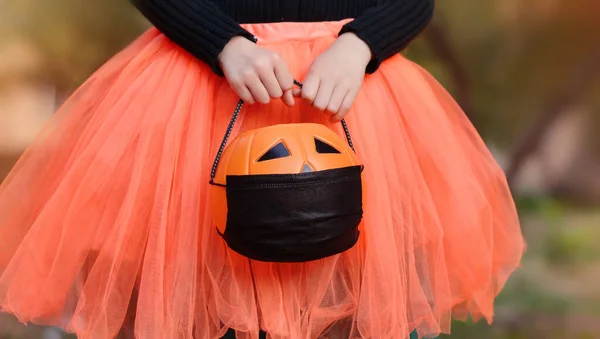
[287, 193]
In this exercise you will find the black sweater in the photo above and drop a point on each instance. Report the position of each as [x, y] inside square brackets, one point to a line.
[203, 27]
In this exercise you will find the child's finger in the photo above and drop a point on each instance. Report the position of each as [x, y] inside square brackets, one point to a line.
[288, 98]
[310, 88]
[323, 95]
[284, 77]
[258, 90]
[339, 93]
[271, 84]
[243, 92]
[346, 106]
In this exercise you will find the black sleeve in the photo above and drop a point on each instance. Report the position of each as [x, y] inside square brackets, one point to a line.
[178, 20]
[388, 28]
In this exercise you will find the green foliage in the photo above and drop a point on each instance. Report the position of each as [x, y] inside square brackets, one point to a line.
[546, 207]
[570, 248]
[565, 242]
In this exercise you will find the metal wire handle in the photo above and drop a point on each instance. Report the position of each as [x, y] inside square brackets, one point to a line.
[234, 117]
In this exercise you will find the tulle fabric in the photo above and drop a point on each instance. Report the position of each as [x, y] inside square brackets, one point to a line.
[106, 217]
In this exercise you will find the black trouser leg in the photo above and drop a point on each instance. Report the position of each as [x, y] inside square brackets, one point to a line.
[231, 335]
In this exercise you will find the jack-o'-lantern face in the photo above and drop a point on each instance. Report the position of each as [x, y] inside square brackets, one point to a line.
[285, 149]
[279, 149]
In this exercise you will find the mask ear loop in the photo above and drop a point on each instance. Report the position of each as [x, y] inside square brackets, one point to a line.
[234, 117]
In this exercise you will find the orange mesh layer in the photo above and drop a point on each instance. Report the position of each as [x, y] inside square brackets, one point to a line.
[111, 201]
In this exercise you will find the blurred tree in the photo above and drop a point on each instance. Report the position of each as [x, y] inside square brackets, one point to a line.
[75, 37]
[517, 68]
[514, 57]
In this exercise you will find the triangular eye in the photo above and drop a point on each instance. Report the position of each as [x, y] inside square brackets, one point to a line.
[276, 152]
[324, 148]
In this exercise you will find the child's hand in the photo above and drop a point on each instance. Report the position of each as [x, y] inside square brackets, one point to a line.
[256, 74]
[336, 76]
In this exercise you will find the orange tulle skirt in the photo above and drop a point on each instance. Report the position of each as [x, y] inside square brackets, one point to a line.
[105, 221]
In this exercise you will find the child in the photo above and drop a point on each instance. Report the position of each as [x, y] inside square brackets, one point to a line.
[111, 200]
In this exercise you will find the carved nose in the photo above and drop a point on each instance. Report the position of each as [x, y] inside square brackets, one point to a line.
[307, 169]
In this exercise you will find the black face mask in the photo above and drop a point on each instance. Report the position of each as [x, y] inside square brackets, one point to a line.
[294, 217]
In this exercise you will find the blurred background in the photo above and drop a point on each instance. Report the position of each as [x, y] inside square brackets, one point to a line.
[527, 73]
